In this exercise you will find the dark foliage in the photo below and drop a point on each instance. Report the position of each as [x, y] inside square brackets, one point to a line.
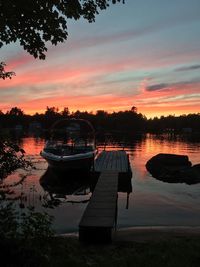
[122, 121]
[34, 23]
[5, 74]
[11, 158]
[174, 123]
[127, 121]
[25, 239]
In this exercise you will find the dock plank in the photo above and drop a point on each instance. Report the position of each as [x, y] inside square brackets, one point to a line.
[105, 160]
[112, 161]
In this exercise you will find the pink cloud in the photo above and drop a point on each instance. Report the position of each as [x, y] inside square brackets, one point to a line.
[149, 106]
[19, 61]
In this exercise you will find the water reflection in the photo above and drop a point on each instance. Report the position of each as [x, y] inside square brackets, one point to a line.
[153, 202]
[176, 179]
[62, 187]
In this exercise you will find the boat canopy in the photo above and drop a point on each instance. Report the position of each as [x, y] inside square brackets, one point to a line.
[77, 132]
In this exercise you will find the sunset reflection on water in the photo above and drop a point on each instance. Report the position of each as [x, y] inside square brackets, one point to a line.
[152, 202]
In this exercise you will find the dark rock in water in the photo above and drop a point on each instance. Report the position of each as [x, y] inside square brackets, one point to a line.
[192, 175]
[173, 168]
[196, 168]
[167, 162]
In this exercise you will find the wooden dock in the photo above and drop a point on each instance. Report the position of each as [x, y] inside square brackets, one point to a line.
[112, 161]
[100, 215]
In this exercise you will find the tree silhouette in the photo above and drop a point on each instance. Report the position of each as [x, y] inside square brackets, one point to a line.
[51, 111]
[65, 112]
[15, 112]
[134, 109]
[34, 23]
[5, 74]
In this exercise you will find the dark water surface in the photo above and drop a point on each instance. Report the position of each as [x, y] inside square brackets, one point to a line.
[151, 202]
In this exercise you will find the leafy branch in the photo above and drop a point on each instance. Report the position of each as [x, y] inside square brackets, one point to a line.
[5, 74]
[11, 158]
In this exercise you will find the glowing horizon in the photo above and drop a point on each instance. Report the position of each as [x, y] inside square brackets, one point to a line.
[154, 111]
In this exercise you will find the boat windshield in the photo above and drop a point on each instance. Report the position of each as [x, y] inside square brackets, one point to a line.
[73, 135]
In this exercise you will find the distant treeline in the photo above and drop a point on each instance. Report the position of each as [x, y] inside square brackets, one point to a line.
[122, 121]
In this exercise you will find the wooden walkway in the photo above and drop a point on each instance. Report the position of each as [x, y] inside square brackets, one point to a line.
[112, 161]
[99, 217]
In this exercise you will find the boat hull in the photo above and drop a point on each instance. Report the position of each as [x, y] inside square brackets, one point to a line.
[83, 162]
[76, 165]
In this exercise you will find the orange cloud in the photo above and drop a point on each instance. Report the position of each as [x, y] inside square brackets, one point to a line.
[109, 103]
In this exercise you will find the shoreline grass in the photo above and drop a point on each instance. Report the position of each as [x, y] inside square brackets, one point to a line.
[68, 251]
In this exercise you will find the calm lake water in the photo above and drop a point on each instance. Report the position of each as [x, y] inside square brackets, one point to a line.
[151, 202]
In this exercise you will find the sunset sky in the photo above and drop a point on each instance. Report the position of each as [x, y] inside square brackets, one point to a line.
[145, 53]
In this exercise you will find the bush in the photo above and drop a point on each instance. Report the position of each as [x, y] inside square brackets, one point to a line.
[11, 158]
[25, 239]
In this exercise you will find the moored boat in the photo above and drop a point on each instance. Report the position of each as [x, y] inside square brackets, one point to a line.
[71, 146]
